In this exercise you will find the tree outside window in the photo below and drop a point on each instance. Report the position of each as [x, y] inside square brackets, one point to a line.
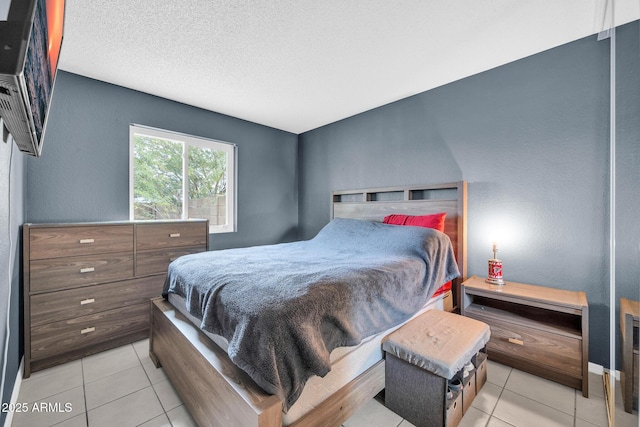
[175, 176]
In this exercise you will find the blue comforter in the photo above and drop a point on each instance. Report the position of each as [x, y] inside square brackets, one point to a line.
[284, 307]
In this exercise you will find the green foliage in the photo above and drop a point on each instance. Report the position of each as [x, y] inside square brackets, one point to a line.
[207, 172]
[158, 176]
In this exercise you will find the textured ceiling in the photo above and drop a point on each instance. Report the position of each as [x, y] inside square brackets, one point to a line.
[300, 64]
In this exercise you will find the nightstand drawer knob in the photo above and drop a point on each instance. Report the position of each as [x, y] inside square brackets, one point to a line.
[87, 270]
[87, 241]
[87, 301]
[174, 235]
[516, 341]
[87, 330]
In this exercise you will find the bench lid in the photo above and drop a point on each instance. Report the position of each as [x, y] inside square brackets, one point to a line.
[438, 341]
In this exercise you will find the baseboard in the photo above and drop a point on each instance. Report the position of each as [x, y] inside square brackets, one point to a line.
[599, 370]
[15, 393]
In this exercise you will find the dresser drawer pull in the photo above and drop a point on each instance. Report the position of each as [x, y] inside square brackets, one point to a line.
[516, 341]
[86, 241]
[87, 301]
[87, 270]
[87, 330]
[174, 235]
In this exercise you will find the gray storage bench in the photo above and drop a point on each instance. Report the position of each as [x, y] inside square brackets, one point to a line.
[424, 356]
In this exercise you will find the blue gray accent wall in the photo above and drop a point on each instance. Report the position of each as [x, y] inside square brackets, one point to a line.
[83, 174]
[627, 166]
[12, 184]
[531, 138]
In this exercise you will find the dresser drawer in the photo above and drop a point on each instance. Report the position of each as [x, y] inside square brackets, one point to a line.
[157, 261]
[168, 235]
[57, 242]
[58, 273]
[56, 338]
[555, 351]
[62, 305]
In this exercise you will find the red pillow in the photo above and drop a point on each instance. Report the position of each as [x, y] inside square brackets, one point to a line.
[395, 219]
[435, 221]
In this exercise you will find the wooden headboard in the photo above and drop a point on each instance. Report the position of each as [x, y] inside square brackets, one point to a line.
[373, 204]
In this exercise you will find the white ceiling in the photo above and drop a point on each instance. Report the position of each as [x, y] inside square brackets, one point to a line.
[300, 64]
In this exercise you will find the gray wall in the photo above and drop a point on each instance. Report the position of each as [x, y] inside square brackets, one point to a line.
[531, 138]
[628, 161]
[627, 166]
[83, 174]
[12, 184]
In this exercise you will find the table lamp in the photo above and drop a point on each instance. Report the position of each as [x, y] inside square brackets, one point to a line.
[495, 268]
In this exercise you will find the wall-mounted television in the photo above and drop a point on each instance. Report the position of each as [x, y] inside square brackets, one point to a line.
[30, 42]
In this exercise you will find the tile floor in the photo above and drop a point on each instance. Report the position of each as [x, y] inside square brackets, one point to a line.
[121, 387]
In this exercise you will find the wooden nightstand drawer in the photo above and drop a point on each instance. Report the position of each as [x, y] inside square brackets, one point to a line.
[57, 338]
[157, 261]
[61, 273]
[171, 235]
[635, 379]
[58, 242]
[551, 350]
[630, 335]
[62, 305]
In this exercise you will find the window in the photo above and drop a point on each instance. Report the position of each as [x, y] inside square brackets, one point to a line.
[177, 176]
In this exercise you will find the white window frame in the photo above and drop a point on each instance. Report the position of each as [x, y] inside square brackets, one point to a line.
[190, 140]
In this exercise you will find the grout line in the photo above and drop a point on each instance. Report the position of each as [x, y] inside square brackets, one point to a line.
[31, 400]
[84, 392]
[575, 407]
[549, 406]
[56, 369]
[499, 397]
[154, 389]
[118, 398]
[123, 396]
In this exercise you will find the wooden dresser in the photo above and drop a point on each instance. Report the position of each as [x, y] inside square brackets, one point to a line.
[544, 331]
[87, 286]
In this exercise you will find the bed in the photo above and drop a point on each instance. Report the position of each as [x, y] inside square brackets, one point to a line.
[217, 392]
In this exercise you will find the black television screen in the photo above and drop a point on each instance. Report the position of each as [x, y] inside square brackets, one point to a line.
[32, 38]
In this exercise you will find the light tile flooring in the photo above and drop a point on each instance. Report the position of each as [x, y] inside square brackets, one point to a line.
[121, 387]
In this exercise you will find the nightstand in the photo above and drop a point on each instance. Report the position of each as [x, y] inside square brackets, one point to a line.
[629, 325]
[540, 330]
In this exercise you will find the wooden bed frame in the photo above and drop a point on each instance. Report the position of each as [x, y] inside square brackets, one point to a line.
[218, 393]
